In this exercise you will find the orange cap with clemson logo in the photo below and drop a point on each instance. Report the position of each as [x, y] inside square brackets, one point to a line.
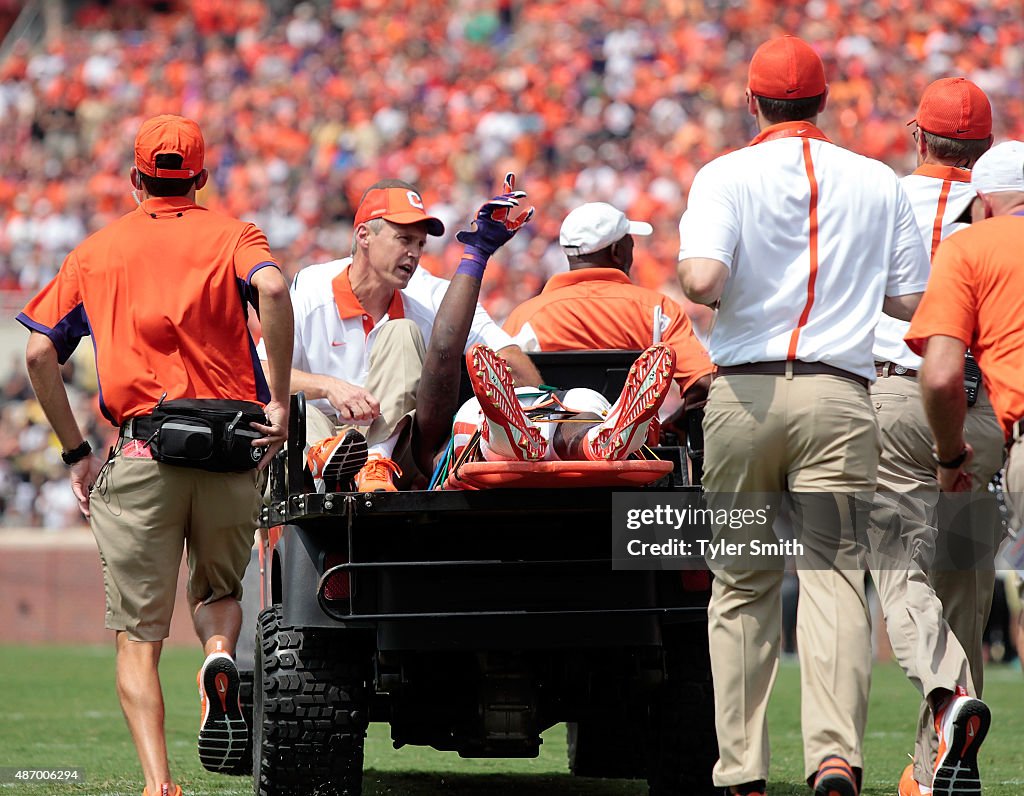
[786, 68]
[398, 205]
[954, 107]
[169, 135]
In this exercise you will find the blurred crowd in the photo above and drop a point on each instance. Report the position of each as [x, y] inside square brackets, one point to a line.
[34, 487]
[304, 105]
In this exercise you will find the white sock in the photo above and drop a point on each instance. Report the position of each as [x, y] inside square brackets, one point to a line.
[385, 448]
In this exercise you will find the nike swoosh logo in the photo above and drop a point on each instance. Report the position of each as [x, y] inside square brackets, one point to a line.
[336, 344]
[801, 131]
[970, 730]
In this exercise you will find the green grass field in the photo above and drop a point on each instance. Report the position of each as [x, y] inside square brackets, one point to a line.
[60, 710]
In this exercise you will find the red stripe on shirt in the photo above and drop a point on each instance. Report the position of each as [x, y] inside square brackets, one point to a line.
[939, 213]
[813, 250]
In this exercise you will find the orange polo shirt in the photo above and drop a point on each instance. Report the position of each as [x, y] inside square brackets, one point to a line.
[595, 308]
[976, 295]
[163, 293]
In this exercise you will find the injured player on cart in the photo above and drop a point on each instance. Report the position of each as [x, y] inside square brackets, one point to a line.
[505, 423]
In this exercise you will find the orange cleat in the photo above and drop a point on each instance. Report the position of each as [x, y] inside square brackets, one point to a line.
[631, 417]
[506, 430]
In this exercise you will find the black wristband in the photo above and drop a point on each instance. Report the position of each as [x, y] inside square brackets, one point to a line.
[75, 455]
[950, 464]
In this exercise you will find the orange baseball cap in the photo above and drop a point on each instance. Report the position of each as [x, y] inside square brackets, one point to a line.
[954, 107]
[398, 205]
[169, 135]
[786, 68]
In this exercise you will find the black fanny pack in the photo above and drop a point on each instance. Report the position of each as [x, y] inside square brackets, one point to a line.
[206, 433]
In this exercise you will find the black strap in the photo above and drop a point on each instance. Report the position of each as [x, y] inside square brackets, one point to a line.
[75, 455]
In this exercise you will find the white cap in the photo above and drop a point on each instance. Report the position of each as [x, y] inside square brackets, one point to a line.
[595, 226]
[1000, 169]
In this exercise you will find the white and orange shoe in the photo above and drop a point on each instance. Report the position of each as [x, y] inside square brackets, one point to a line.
[378, 475]
[961, 723]
[337, 458]
[507, 430]
[909, 786]
[631, 417]
[222, 730]
[166, 789]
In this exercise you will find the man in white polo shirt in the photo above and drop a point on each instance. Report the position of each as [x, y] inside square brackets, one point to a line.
[935, 614]
[361, 328]
[975, 299]
[799, 244]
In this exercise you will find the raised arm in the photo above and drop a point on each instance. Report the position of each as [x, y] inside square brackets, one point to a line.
[436, 401]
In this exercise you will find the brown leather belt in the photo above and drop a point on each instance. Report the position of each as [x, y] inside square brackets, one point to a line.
[781, 367]
[883, 369]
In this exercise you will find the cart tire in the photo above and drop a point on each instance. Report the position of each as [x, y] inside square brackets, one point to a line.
[607, 747]
[310, 713]
[683, 747]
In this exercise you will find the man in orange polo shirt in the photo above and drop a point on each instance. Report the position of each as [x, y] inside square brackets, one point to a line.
[163, 292]
[592, 306]
[595, 305]
[975, 299]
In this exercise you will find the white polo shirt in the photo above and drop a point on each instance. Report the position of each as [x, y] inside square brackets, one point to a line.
[939, 195]
[334, 336]
[814, 237]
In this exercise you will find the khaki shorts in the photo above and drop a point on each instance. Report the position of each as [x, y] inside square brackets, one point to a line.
[144, 513]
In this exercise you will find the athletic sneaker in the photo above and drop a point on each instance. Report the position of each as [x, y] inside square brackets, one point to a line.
[748, 789]
[377, 475]
[337, 458]
[222, 730]
[166, 789]
[910, 786]
[835, 778]
[961, 723]
[507, 430]
[626, 428]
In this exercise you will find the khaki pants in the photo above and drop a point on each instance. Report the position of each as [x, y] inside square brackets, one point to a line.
[396, 363]
[814, 437]
[144, 513]
[935, 616]
[1013, 481]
